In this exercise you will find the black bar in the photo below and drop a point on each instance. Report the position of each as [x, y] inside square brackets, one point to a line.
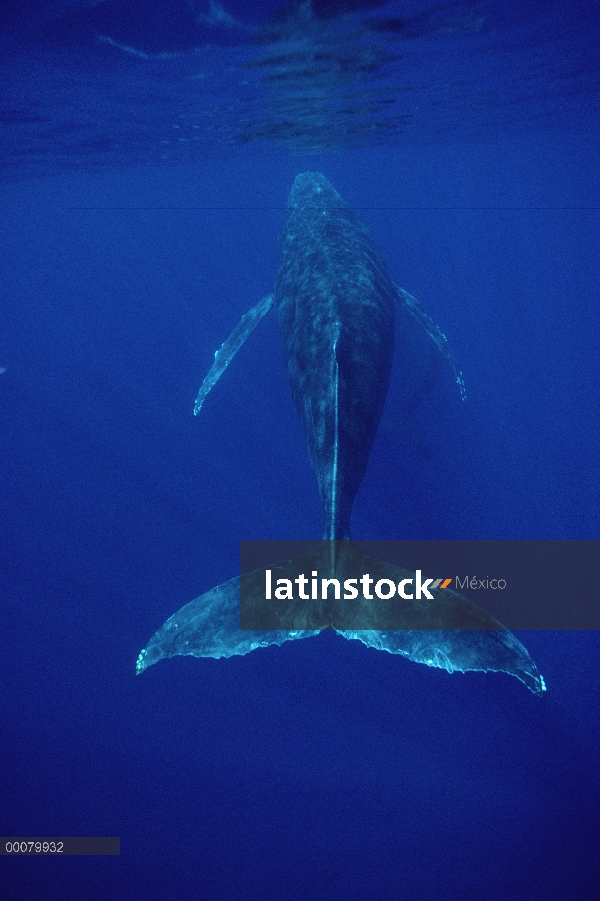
[62, 846]
[522, 584]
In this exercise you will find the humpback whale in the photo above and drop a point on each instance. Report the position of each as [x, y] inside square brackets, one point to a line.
[335, 306]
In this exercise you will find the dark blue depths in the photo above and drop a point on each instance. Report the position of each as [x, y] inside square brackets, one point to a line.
[320, 769]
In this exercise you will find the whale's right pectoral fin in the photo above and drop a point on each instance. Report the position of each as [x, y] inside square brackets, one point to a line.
[412, 305]
[227, 352]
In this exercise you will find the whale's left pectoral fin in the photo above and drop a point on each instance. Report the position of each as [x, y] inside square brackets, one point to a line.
[228, 350]
[209, 626]
[412, 305]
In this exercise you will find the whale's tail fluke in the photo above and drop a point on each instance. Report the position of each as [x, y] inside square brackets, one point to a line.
[448, 631]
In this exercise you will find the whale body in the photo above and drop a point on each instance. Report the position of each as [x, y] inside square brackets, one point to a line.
[335, 306]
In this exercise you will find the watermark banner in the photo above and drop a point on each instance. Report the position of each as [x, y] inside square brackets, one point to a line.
[391, 585]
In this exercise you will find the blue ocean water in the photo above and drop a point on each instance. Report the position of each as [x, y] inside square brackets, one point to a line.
[145, 169]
